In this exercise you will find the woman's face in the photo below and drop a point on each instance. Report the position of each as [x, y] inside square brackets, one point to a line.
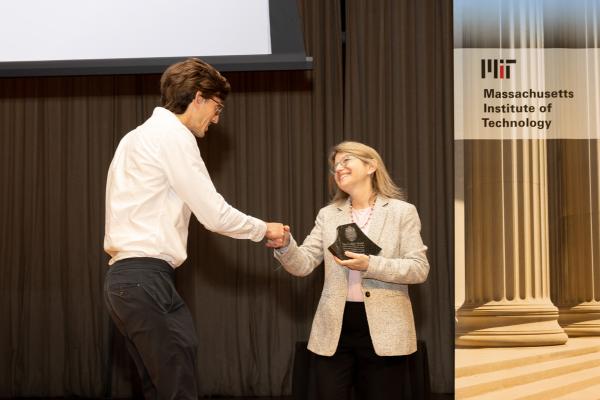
[350, 171]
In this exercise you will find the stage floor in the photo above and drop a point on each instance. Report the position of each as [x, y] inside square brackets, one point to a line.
[434, 396]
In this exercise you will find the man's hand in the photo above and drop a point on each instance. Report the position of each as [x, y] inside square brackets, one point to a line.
[278, 235]
[357, 262]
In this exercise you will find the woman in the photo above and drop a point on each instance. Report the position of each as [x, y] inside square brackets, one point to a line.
[363, 328]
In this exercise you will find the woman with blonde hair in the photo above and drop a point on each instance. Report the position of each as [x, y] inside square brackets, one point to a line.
[363, 327]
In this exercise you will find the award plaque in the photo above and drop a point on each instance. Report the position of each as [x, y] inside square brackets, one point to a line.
[351, 238]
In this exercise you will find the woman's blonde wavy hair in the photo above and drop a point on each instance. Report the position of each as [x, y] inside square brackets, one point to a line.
[381, 181]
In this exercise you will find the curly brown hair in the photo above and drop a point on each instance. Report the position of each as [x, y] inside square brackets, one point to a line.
[181, 81]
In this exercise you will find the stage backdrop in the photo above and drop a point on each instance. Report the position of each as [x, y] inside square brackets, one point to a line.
[527, 124]
[389, 85]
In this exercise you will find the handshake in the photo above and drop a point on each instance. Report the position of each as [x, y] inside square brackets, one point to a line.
[277, 235]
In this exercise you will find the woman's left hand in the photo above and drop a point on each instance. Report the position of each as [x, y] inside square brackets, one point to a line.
[357, 262]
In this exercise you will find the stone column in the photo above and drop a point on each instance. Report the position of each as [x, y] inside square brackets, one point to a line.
[507, 288]
[574, 188]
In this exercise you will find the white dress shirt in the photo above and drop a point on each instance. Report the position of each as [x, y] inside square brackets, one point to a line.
[157, 178]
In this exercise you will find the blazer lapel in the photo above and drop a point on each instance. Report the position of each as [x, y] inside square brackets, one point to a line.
[378, 219]
[343, 216]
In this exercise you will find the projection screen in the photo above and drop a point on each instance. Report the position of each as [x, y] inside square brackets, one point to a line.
[83, 37]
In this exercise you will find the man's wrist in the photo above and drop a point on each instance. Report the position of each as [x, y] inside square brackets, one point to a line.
[259, 231]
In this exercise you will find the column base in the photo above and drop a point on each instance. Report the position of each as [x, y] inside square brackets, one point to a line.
[580, 320]
[504, 324]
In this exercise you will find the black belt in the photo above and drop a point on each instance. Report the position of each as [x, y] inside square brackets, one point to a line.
[154, 264]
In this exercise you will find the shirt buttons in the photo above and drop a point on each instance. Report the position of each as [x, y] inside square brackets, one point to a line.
[367, 294]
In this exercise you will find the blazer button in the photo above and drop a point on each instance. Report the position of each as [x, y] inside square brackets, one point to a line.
[368, 294]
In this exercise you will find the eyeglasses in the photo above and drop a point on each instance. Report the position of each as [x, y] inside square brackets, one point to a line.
[343, 163]
[219, 108]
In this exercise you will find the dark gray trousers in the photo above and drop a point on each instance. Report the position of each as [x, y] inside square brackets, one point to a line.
[159, 331]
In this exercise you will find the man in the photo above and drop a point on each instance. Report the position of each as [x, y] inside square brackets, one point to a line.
[156, 180]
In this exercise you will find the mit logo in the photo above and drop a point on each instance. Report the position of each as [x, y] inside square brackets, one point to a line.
[500, 68]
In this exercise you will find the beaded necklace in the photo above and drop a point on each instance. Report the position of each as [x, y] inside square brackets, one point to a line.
[368, 219]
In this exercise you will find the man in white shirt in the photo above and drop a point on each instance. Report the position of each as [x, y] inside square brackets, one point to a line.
[156, 180]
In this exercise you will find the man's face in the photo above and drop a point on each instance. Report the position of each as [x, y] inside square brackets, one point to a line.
[205, 112]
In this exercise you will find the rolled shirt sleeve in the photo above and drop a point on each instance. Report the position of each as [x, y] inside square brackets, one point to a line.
[190, 180]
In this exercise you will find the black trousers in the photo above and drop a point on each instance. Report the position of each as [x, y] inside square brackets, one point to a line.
[356, 365]
[143, 303]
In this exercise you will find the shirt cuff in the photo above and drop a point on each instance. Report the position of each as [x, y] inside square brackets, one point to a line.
[259, 230]
[282, 250]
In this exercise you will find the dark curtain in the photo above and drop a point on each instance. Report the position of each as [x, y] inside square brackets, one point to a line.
[267, 157]
[57, 137]
[399, 99]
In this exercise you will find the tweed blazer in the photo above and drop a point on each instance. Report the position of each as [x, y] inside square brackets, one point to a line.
[396, 228]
